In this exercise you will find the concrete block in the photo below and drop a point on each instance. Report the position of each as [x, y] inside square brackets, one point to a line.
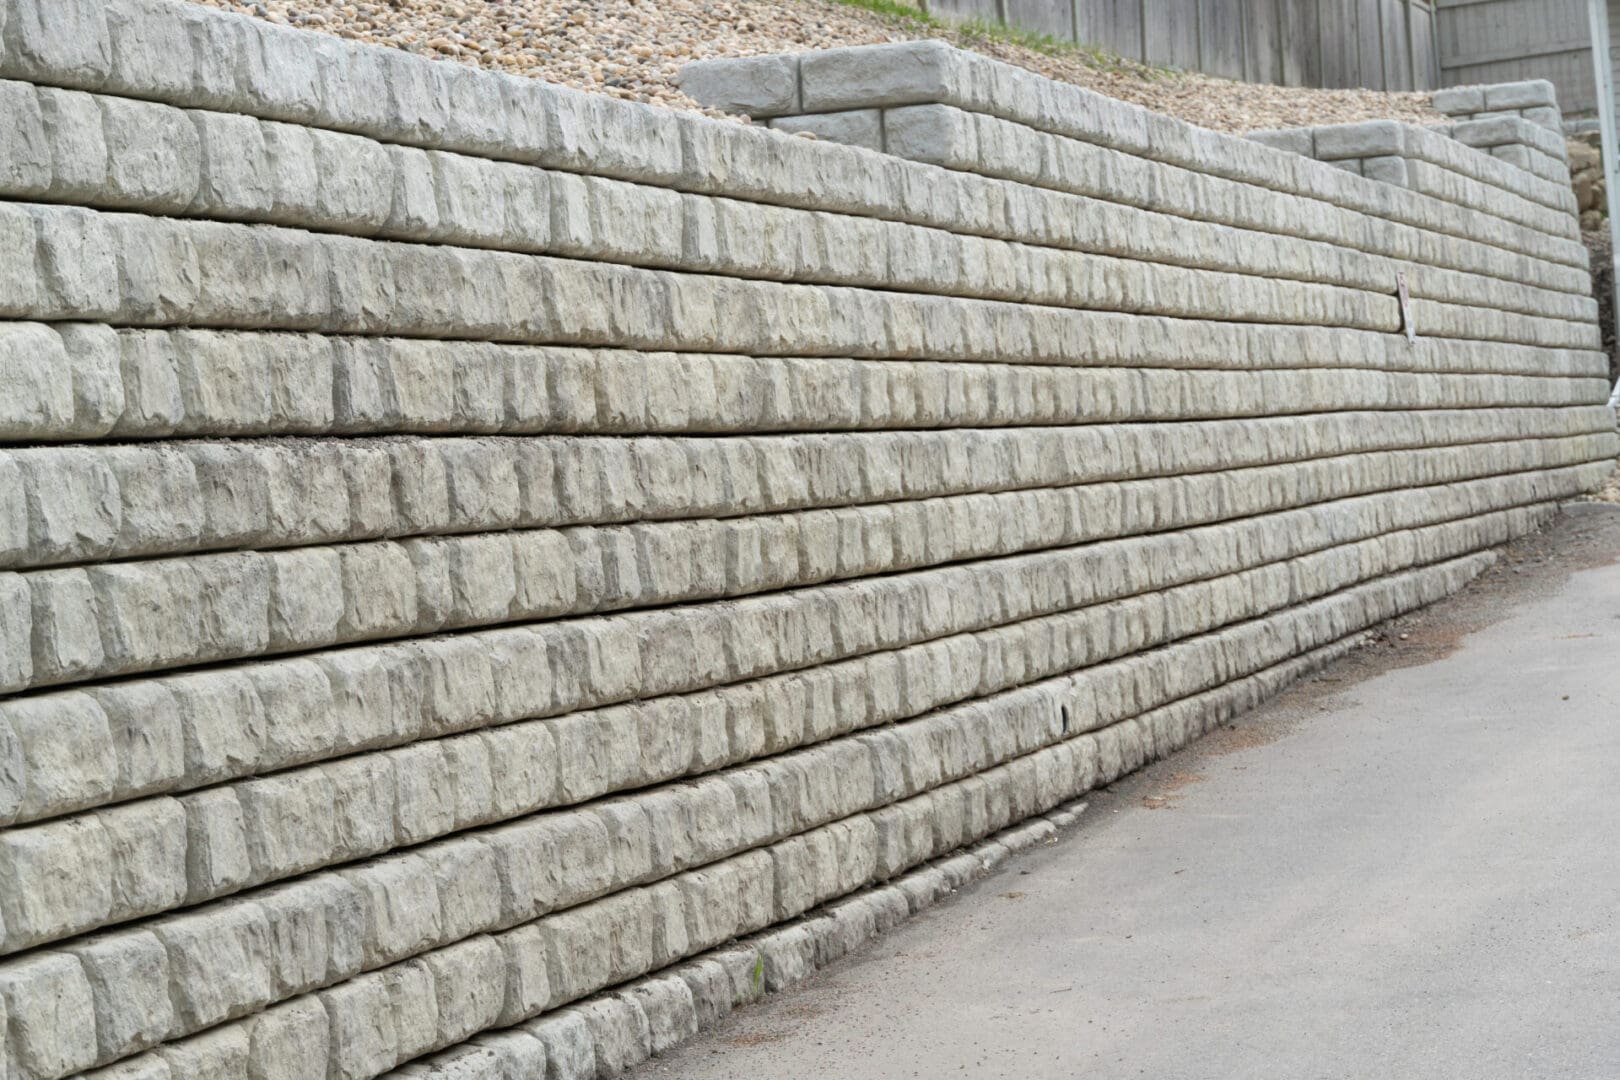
[59, 753]
[290, 1039]
[288, 822]
[59, 880]
[620, 1030]
[39, 404]
[147, 851]
[1515, 155]
[865, 76]
[213, 1055]
[1293, 140]
[154, 155]
[469, 979]
[66, 640]
[671, 1013]
[1486, 133]
[306, 920]
[570, 1045]
[1547, 116]
[217, 859]
[1370, 139]
[16, 648]
[364, 1027]
[50, 1014]
[1459, 100]
[129, 983]
[1390, 169]
[1532, 93]
[400, 903]
[757, 86]
[856, 127]
[58, 43]
[148, 1066]
[467, 874]
[219, 962]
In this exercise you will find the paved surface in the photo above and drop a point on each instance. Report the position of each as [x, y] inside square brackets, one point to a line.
[1408, 867]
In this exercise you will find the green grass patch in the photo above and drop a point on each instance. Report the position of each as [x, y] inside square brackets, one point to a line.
[975, 31]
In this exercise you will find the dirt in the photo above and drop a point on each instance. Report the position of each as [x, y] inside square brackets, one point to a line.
[633, 49]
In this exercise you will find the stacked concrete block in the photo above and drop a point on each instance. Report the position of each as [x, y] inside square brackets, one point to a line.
[492, 577]
[1519, 123]
[1454, 163]
[1535, 100]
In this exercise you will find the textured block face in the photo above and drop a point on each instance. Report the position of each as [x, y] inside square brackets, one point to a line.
[869, 76]
[1520, 95]
[1293, 140]
[1372, 139]
[858, 127]
[1459, 100]
[758, 86]
[493, 577]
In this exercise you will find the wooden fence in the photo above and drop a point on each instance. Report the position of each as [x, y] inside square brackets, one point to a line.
[1383, 44]
[1487, 41]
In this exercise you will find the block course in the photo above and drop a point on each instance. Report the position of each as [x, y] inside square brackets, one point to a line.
[491, 577]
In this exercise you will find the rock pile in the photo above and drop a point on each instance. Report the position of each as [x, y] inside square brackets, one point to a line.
[1586, 175]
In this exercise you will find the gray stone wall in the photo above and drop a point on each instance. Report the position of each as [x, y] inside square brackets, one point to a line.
[1480, 164]
[492, 577]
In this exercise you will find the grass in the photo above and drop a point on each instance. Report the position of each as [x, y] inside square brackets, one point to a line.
[973, 31]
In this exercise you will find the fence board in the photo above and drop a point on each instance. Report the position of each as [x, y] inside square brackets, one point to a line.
[1397, 53]
[1370, 44]
[1302, 43]
[986, 10]
[1508, 40]
[1423, 47]
[1337, 30]
[1296, 42]
[1262, 44]
[1172, 32]
[1221, 37]
[1054, 17]
[1115, 25]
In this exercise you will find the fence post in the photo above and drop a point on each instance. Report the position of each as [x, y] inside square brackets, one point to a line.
[1243, 47]
[1282, 42]
[1383, 49]
[1411, 44]
[1321, 48]
[1198, 35]
[1434, 44]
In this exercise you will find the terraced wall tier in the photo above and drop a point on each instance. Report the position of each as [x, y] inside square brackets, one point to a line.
[492, 577]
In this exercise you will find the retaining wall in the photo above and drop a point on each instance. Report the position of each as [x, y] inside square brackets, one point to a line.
[1450, 162]
[492, 575]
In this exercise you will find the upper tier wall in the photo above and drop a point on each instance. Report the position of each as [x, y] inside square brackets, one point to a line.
[481, 558]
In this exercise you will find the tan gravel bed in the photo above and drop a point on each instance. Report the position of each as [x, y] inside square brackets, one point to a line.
[635, 48]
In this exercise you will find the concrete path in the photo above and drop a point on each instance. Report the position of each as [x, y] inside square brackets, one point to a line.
[1406, 868]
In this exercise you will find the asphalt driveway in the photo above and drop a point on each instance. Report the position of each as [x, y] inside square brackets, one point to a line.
[1407, 867]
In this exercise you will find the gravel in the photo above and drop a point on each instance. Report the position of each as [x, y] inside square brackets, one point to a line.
[634, 49]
